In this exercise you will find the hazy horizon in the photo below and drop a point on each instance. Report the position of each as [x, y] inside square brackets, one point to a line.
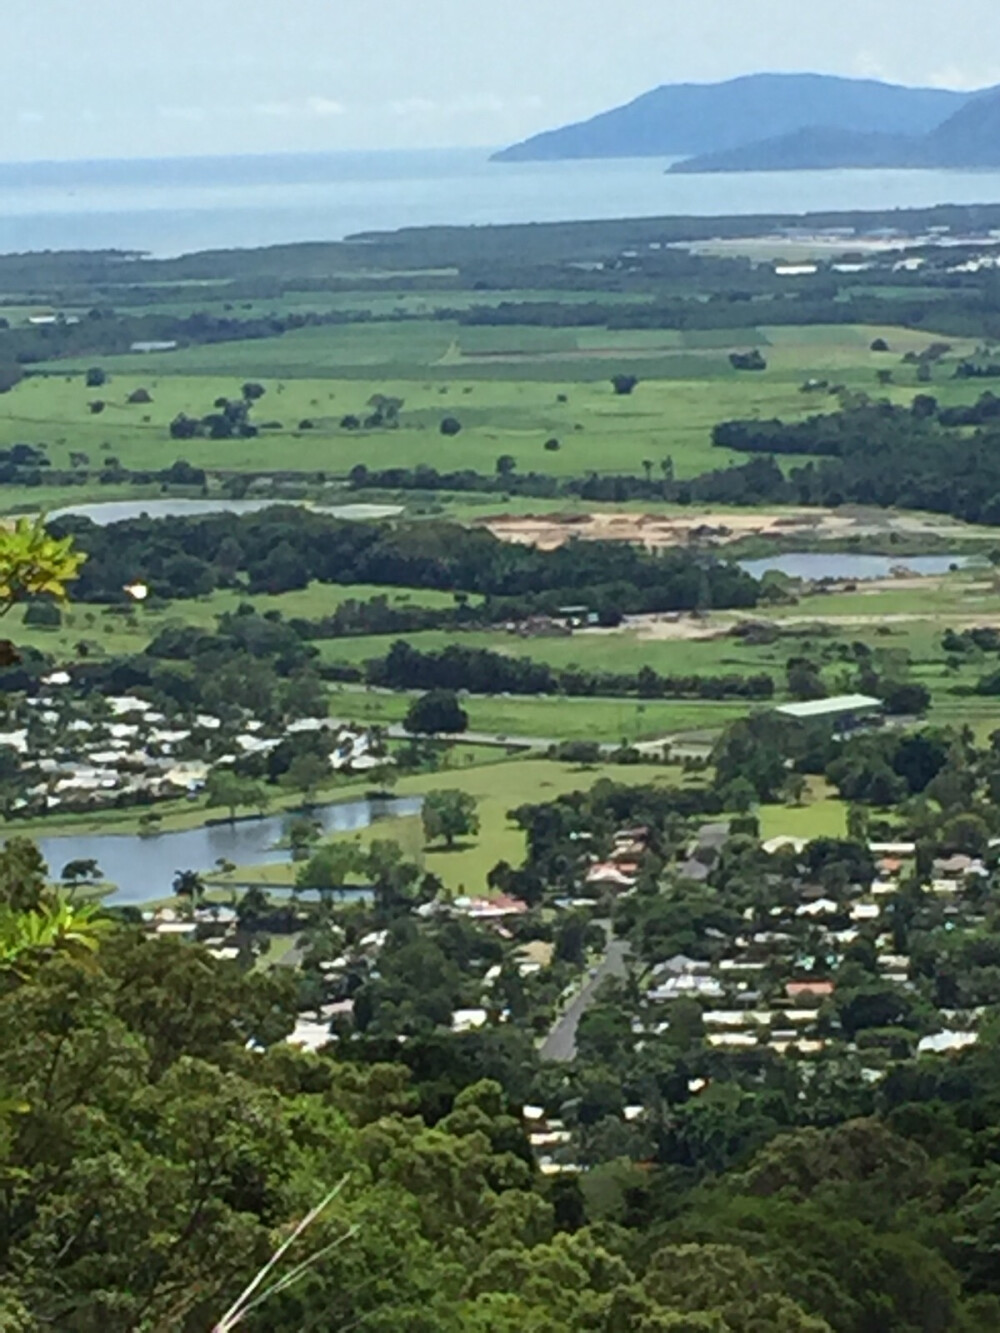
[235, 78]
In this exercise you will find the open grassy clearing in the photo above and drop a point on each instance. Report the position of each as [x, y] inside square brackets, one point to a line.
[498, 791]
[553, 717]
[966, 595]
[108, 633]
[821, 815]
[620, 650]
[530, 781]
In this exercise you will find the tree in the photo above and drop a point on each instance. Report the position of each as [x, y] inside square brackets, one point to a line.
[624, 385]
[858, 824]
[737, 1294]
[252, 908]
[451, 426]
[329, 867]
[43, 615]
[252, 392]
[804, 680]
[506, 465]
[449, 814]
[190, 885]
[906, 699]
[29, 939]
[437, 713]
[306, 773]
[23, 876]
[301, 834]
[753, 748]
[76, 872]
[226, 788]
[95, 377]
[35, 564]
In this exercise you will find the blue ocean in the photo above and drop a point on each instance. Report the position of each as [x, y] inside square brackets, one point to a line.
[174, 206]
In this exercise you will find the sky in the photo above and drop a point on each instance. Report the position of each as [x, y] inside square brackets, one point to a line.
[151, 78]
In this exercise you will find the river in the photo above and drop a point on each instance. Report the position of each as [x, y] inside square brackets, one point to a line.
[848, 565]
[143, 868]
[106, 512]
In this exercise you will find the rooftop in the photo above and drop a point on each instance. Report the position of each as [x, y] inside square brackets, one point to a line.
[841, 703]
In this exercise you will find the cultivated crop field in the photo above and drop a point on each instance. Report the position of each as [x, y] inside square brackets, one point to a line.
[512, 389]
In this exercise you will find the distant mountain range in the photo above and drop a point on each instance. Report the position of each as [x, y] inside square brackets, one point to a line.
[970, 138]
[786, 122]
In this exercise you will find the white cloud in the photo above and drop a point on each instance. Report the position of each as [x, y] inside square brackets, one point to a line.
[274, 109]
[488, 104]
[187, 113]
[325, 106]
[867, 65]
[310, 107]
[964, 79]
[30, 117]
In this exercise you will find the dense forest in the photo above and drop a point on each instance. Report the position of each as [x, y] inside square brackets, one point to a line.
[282, 549]
[159, 1139]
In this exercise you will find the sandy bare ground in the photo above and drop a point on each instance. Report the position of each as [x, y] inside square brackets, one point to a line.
[660, 531]
[685, 628]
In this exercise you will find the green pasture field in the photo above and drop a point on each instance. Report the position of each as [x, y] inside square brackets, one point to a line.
[614, 651]
[553, 717]
[498, 790]
[507, 400]
[821, 815]
[109, 634]
[964, 595]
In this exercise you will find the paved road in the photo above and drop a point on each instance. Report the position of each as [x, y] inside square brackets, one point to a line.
[560, 1044]
[397, 732]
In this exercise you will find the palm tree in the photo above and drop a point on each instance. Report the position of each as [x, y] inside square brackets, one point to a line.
[189, 884]
[28, 939]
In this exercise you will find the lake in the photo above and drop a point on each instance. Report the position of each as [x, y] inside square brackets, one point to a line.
[106, 512]
[174, 206]
[846, 565]
[143, 868]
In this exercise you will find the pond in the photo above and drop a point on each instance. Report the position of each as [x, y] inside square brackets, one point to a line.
[106, 512]
[817, 565]
[143, 868]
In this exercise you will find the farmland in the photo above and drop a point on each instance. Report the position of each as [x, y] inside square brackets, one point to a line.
[506, 399]
[513, 341]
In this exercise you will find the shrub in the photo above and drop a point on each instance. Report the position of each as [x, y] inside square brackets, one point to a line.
[43, 615]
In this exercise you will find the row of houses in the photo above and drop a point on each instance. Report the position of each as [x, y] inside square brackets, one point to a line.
[122, 750]
[768, 985]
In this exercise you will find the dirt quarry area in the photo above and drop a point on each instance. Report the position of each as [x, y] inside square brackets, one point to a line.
[687, 526]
